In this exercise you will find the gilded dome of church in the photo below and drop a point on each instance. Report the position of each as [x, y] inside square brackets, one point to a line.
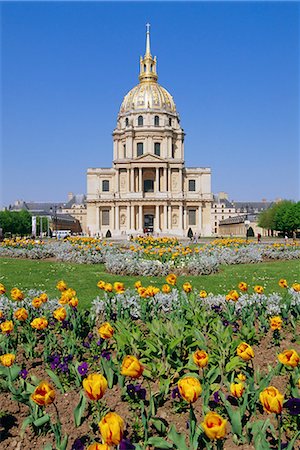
[148, 94]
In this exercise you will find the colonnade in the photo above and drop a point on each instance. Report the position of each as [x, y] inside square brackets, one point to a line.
[162, 179]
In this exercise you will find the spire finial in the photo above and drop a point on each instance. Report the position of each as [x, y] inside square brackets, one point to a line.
[148, 53]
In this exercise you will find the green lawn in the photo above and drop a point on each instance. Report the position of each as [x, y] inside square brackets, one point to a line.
[44, 275]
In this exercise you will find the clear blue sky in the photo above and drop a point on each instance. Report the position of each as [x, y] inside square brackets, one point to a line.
[232, 68]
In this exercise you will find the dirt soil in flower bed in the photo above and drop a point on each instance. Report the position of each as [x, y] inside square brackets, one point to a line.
[13, 414]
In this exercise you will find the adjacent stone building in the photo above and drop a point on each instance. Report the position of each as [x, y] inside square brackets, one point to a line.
[148, 189]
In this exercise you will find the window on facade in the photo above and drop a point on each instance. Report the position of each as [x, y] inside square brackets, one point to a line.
[192, 217]
[140, 148]
[216, 223]
[216, 230]
[156, 121]
[105, 217]
[140, 121]
[222, 217]
[126, 122]
[105, 185]
[151, 68]
[124, 150]
[173, 151]
[157, 148]
[192, 185]
[148, 186]
[170, 122]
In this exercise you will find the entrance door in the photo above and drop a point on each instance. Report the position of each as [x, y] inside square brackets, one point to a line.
[148, 223]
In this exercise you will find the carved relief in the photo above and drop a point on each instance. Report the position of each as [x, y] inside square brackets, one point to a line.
[174, 181]
[123, 182]
[174, 219]
[123, 219]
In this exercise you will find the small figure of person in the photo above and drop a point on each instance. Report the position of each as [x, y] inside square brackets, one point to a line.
[258, 237]
[286, 238]
[294, 237]
[195, 238]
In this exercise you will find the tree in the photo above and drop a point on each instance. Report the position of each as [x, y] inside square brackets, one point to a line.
[283, 216]
[15, 222]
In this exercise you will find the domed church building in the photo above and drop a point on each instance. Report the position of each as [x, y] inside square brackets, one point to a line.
[148, 189]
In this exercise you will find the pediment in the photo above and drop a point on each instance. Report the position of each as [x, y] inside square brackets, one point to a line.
[148, 157]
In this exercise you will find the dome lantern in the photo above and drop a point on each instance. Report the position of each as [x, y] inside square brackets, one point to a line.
[148, 64]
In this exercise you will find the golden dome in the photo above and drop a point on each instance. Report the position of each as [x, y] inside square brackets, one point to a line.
[148, 94]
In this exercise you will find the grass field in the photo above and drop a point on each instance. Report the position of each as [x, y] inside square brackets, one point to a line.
[44, 275]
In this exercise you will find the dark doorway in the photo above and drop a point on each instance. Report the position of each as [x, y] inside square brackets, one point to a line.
[148, 223]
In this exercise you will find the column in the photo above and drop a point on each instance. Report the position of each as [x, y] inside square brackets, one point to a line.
[157, 218]
[185, 218]
[165, 180]
[132, 224]
[180, 180]
[112, 215]
[200, 218]
[97, 219]
[128, 180]
[140, 180]
[117, 221]
[180, 217]
[156, 180]
[169, 217]
[117, 181]
[128, 218]
[140, 218]
[132, 181]
[165, 218]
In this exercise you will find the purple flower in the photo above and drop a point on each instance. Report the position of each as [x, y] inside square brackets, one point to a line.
[90, 336]
[83, 368]
[140, 391]
[77, 445]
[130, 390]
[23, 373]
[175, 393]
[293, 406]
[105, 354]
[64, 367]
[125, 444]
[216, 397]
[86, 344]
[100, 342]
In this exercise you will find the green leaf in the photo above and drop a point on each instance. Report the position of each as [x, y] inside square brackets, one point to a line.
[55, 380]
[79, 410]
[159, 424]
[233, 364]
[159, 443]
[41, 421]
[177, 438]
[48, 447]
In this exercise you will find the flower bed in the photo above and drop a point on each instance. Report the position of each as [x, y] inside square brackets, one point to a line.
[151, 369]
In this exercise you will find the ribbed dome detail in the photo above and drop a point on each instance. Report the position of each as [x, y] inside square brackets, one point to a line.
[148, 95]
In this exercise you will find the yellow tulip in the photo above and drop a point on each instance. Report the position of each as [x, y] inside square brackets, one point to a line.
[275, 323]
[214, 426]
[187, 287]
[202, 294]
[243, 286]
[189, 389]
[95, 386]
[166, 289]
[16, 294]
[200, 358]
[2, 289]
[44, 394]
[21, 314]
[282, 283]
[106, 331]
[171, 279]
[97, 446]
[237, 389]
[7, 326]
[272, 400]
[60, 314]
[61, 286]
[289, 358]
[245, 351]
[131, 367]
[111, 428]
[259, 289]
[37, 302]
[296, 287]
[7, 359]
[40, 323]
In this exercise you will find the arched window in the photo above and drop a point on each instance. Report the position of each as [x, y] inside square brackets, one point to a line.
[157, 148]
[151, 68]
[170, 122]
[126, 122]
[144, 67]
[156, 121]
[140, 121]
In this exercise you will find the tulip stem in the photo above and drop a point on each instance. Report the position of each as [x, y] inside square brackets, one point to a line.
[279, 419]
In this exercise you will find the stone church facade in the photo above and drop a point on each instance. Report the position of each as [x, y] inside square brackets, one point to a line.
[148, 189]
